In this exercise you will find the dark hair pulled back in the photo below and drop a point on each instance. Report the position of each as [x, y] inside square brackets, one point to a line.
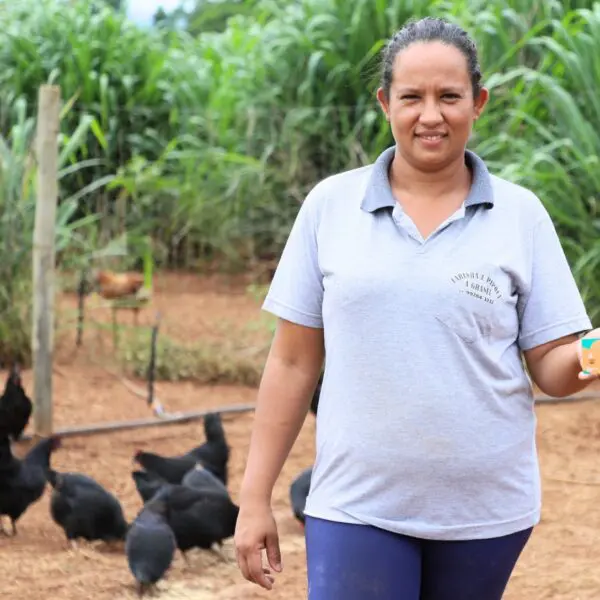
[431, 29]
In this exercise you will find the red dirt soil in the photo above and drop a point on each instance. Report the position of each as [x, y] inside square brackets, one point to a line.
[559, 562]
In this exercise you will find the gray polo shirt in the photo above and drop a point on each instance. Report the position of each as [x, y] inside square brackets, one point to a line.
[426, 422]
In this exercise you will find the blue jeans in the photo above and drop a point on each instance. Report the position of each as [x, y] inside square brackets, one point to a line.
[360, 562]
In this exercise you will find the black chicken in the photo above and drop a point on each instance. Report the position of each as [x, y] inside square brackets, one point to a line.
[22, 482]
[168, 468]
[84, 509]
[298, 493]
[213, 454]
[147, 484]
[200, 478]
[15, 406]
[199, 518]
[150, 545]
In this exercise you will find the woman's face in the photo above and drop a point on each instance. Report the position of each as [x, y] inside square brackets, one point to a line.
[431, 108]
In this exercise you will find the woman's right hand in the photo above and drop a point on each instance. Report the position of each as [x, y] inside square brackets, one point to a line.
[255, 532]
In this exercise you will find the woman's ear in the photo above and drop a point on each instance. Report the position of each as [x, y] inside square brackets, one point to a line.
[481, 101]
[384, 103]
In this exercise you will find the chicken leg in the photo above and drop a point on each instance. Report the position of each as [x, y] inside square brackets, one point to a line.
[186, 559]
[220, 554]
[4, 532]
[76, 550]
[143, 588]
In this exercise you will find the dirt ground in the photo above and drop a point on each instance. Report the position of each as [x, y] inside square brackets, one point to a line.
[558, 563]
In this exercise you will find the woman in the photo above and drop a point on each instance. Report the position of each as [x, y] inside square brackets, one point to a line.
[404, 274]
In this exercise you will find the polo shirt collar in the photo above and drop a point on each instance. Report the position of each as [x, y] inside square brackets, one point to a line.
[378, 193]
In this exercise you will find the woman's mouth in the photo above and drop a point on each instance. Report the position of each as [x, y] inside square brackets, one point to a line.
[431, 139]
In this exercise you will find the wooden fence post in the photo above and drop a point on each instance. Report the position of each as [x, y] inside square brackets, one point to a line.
[46, 150]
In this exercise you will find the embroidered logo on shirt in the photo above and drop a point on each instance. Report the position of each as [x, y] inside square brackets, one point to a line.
[478, 285]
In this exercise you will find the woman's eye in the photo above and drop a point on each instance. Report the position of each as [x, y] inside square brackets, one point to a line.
[449, 96]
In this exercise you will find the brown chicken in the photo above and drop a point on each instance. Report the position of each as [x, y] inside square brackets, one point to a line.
[125, 289]
[111, 285]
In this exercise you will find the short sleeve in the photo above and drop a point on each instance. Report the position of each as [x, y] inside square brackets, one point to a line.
[296, 291]
[552, 306]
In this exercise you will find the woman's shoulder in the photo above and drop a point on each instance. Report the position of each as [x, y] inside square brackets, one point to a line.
[342, 182]
[337, 191]
[517, 198]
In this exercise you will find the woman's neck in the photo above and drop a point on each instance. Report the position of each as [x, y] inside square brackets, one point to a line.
[407, 179]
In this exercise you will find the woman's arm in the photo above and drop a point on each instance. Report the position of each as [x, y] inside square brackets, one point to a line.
[555, 366]
[286, 388]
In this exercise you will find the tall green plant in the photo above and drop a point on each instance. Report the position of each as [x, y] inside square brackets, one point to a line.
[134, 82]
[216, 139]
[557, 151]
[291, 100]
[17, 215]
[293, 89]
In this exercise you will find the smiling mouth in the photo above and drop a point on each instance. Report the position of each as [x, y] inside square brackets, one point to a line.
[431, 137]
